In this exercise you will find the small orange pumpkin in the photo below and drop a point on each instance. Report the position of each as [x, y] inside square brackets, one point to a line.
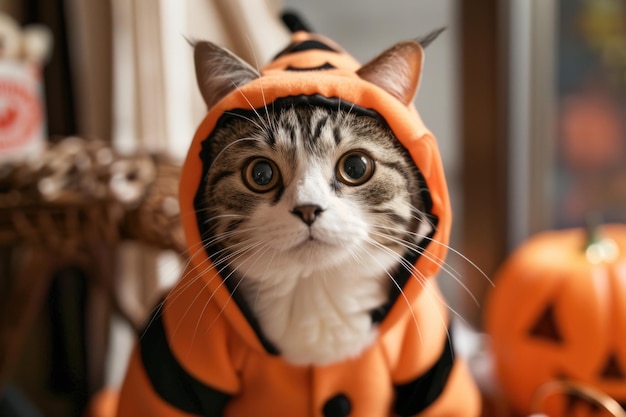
[558, 312]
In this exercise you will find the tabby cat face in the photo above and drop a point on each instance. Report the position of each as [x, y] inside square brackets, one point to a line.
[307, 189]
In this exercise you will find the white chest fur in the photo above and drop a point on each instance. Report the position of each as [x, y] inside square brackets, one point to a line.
[320, 318]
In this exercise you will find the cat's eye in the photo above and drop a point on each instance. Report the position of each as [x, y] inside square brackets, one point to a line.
[355, 168]
[261, 175]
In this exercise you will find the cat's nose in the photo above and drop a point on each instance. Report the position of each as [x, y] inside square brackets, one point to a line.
[308, 213]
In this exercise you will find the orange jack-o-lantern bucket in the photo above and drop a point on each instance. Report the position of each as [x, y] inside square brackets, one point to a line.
[558, 313]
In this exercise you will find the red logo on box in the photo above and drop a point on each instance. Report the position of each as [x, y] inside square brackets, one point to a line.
[22, 120]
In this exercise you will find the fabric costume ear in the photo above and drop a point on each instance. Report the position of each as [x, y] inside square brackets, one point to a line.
[219, 71]
[398, 70]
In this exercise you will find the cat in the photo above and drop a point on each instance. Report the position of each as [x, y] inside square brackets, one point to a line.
[316, 215]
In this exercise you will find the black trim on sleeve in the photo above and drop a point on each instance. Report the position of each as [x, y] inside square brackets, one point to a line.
[415, 396]
[170, 381]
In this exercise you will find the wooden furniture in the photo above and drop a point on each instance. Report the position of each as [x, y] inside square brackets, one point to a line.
[71, 208]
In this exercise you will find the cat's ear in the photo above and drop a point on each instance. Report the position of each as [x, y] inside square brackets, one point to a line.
[219, 71]
[398, 70]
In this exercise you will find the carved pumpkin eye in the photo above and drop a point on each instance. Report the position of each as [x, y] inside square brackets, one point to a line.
[261, 175]
[546, 327]
[355, 168]
[612, 369]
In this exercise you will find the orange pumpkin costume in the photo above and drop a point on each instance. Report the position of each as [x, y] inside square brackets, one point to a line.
[203, 354]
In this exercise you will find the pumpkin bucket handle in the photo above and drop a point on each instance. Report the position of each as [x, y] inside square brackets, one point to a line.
[571, 388]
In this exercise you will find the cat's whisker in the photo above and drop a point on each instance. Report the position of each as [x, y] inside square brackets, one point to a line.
[403, 262]
[419, 215]
[154, 313]
[426, 284]
[256, 112]
[178, 290]
[252, 50]
[428, 287]
[423, 279]
[220, 216]
[458, 253]
[258, 69]
[259, 126]
[216, 275]
[339, 116]
[448, 247]
[400, 291]
[222, 237]
[235, 142]
[160, 307]
[264, 275]
[258, 249]
[185, 281]
[259, 252]
[349, 112]
[445, 267]
[231, 253]
[200, 276]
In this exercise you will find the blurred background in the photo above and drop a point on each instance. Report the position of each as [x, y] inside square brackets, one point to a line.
[526, 97]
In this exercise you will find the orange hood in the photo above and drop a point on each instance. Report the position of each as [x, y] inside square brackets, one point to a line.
[330, 73]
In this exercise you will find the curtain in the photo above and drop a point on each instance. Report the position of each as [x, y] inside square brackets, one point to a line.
[136, 85]
[156, 105]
